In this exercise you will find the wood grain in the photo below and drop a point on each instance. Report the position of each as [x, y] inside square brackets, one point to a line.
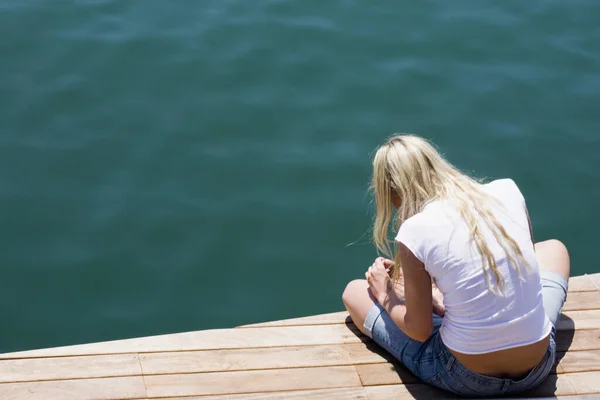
[207, 340]
[582, 301]
[554, 385]
[558, 384]
[577, 340]
[38, 369]
[401, 392]
[585, 382]
[581, 361]
[352, 393]
[384, 374]
[581, 383]
[367, 353]
[583, 283]
[251, 381]
[244, 359]
[595, 279]
[78, 389]
[575, 320]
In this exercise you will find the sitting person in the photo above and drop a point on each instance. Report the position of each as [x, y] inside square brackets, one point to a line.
[491, 330]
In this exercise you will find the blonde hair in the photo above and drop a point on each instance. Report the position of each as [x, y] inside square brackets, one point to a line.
[410, 168]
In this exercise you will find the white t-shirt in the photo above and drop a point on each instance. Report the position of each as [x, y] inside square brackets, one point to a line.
[478, 321]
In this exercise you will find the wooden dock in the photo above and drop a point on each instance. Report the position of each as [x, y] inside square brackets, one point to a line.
[320, 357]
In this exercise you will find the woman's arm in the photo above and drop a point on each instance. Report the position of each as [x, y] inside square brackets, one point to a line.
[414, 318]
[417, 293]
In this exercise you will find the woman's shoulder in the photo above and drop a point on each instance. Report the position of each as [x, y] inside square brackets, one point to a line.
[508, 192]
[503, 186]
[502, 183]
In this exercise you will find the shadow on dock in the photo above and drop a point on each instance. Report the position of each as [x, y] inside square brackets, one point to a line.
[564, 338]
[412, 384]
[415, 386]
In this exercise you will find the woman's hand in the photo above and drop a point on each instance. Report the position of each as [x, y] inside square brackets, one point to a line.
[387, 263]
[379, 279]
[438, 301]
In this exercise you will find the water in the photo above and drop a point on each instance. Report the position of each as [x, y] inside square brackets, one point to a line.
[175, 166]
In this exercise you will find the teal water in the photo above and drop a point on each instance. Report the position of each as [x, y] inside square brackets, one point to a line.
[173, 166]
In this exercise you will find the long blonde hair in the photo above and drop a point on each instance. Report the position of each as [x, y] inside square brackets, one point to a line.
[411, 169]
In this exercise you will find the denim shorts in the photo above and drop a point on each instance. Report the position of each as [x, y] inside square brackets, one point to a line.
[432, 362]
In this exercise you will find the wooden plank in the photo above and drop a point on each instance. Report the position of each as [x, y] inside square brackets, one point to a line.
[293, 357]
[340, 317]
[582, 301]
[577, 340]
[367, 353]
[401, 392]
[352, 393]
[575, 320]
[251, 381]
[275, 358]
[581, 283]
[595, 279]
[387, 392]
[585, 382]
[580, 383]
[78, 389]
[581, 361]
[250, 338]
[39, 369]
[554, 385]
[262, 358]
[561, 384]
[207, 340]
[385, 374]
[244, 359]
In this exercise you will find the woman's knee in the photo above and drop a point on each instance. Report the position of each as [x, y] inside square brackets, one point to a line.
[358, 301]
[354, 290]
[554, 256]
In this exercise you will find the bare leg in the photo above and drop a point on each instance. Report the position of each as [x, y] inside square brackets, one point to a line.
[358, 300]
[553, 256]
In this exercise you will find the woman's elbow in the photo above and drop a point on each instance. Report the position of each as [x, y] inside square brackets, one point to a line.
[419, 332]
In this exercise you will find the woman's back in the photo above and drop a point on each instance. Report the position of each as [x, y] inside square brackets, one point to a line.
[477, 320]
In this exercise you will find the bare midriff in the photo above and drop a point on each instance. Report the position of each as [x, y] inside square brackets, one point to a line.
[514, 363]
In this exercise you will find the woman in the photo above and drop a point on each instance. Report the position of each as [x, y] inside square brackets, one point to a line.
[492, 329]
